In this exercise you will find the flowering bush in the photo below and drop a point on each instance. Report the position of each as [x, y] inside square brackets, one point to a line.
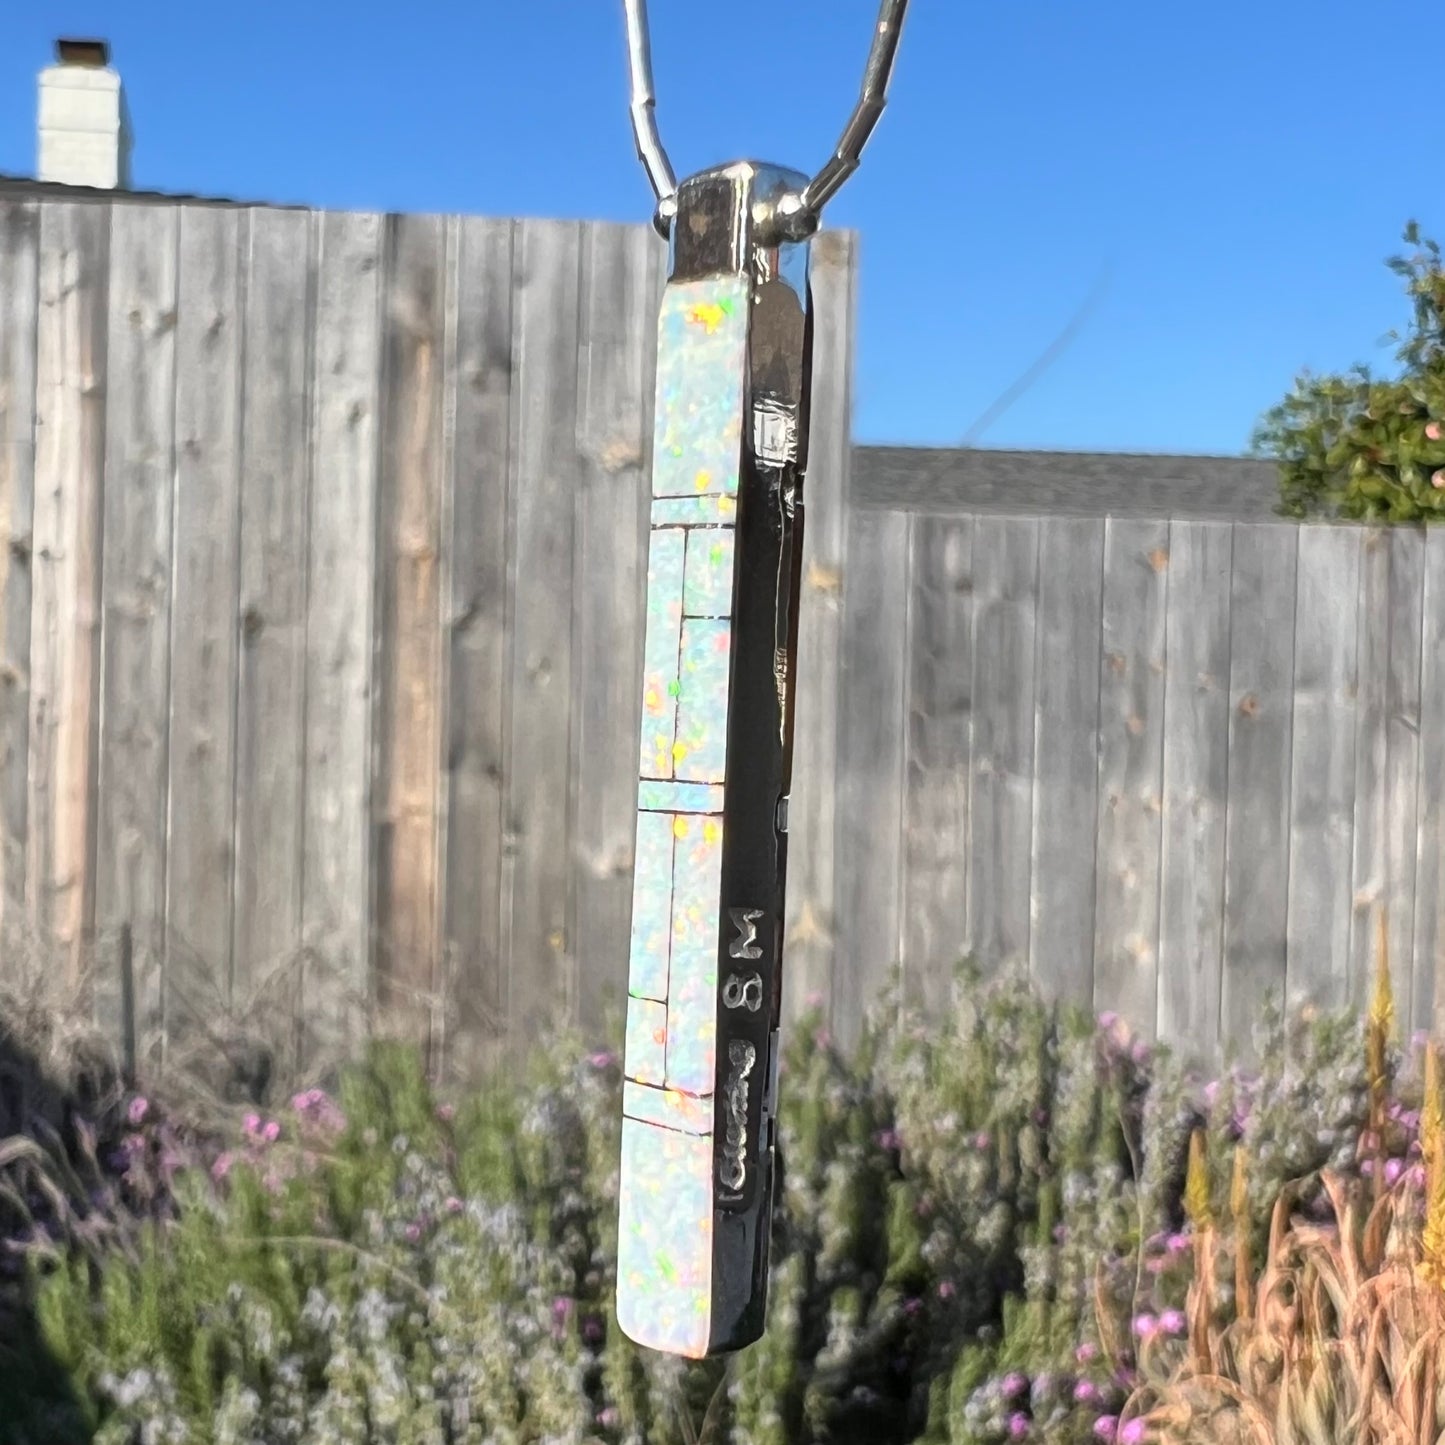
[1012, 1224]
[1364, 447]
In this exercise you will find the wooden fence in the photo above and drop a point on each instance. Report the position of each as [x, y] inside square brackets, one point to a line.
[322, 585]
[323, 593]
[1175, 765]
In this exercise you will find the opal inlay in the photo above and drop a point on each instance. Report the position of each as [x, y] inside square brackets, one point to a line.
[663, 797]
[664, 1292]
[664, 1238]
[646, 1048]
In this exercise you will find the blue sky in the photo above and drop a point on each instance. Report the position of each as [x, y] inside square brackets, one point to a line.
[1238, 171]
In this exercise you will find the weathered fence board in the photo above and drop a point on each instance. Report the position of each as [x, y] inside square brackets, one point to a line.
[544, 483]
[1427, 1008]
[270, 703]
[620, 300]
[476, 638]
[1001, 775]
[937, 750]
[1196, 712]
[1372, 671]
[339, 679]
[870, 780]
[812, 816]
[1256, 830]
[1322, 796]
[1405, 606]
[362, 503]
[139, 507]
[415, 303]
[200, 839]
[1066, 756]
[1131, 763]
[70, 390]
[19, 307]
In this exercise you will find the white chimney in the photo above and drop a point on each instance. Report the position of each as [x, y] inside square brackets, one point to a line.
[85, 135]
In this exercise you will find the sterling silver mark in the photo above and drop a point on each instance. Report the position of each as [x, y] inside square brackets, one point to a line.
[744, 991]
[732, 1167]
[745, 945]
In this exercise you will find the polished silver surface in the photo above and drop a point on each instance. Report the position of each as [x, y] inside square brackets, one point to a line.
[644, 109]
[871, 100]
[794, 215]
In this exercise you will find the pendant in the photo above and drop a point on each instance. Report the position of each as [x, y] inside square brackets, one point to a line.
[704, 981]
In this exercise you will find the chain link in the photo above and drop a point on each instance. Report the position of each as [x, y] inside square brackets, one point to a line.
[797, 214]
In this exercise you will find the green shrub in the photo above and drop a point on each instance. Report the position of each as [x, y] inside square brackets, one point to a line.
[1357, 446]
[975, 1218]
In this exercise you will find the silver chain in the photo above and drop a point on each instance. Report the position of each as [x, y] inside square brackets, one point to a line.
[799, 214]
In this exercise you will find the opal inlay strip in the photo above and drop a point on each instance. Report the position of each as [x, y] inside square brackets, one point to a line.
[707, 578]
[692, 980]
[665, 1212]
[664, 1240]
[700, 753]
[660, 686]
[701, 346]
[651, 909]
[694, 512]
[667, 1108]
[661, 797]
[646, 1047]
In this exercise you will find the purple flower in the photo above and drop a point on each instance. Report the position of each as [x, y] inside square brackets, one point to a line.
[1085, 1392]
[1171, 1322]
[1061, 1233]
[272, 1131]
[1086, 1352]
[139, 1108]
[1014, 1384]
[1394, 1168]
[221, 1167]
[609, 1417]
[1146, 1326]
[1018, 1425]
[981, 1140]
[945, 1289]
[603, 1059]
[446, 1113]
[1140, 1052]
[1211, 1093]
[252, 1124]
[453, 1204]
[1108, 1019]
[1106, 1426]
[1367, 1167]
[1410, 1120]
[413, 1232]
[1415, 1176]
[1134, 1432]
[1176, 1243]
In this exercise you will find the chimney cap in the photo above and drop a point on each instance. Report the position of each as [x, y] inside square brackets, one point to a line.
[91, 54]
